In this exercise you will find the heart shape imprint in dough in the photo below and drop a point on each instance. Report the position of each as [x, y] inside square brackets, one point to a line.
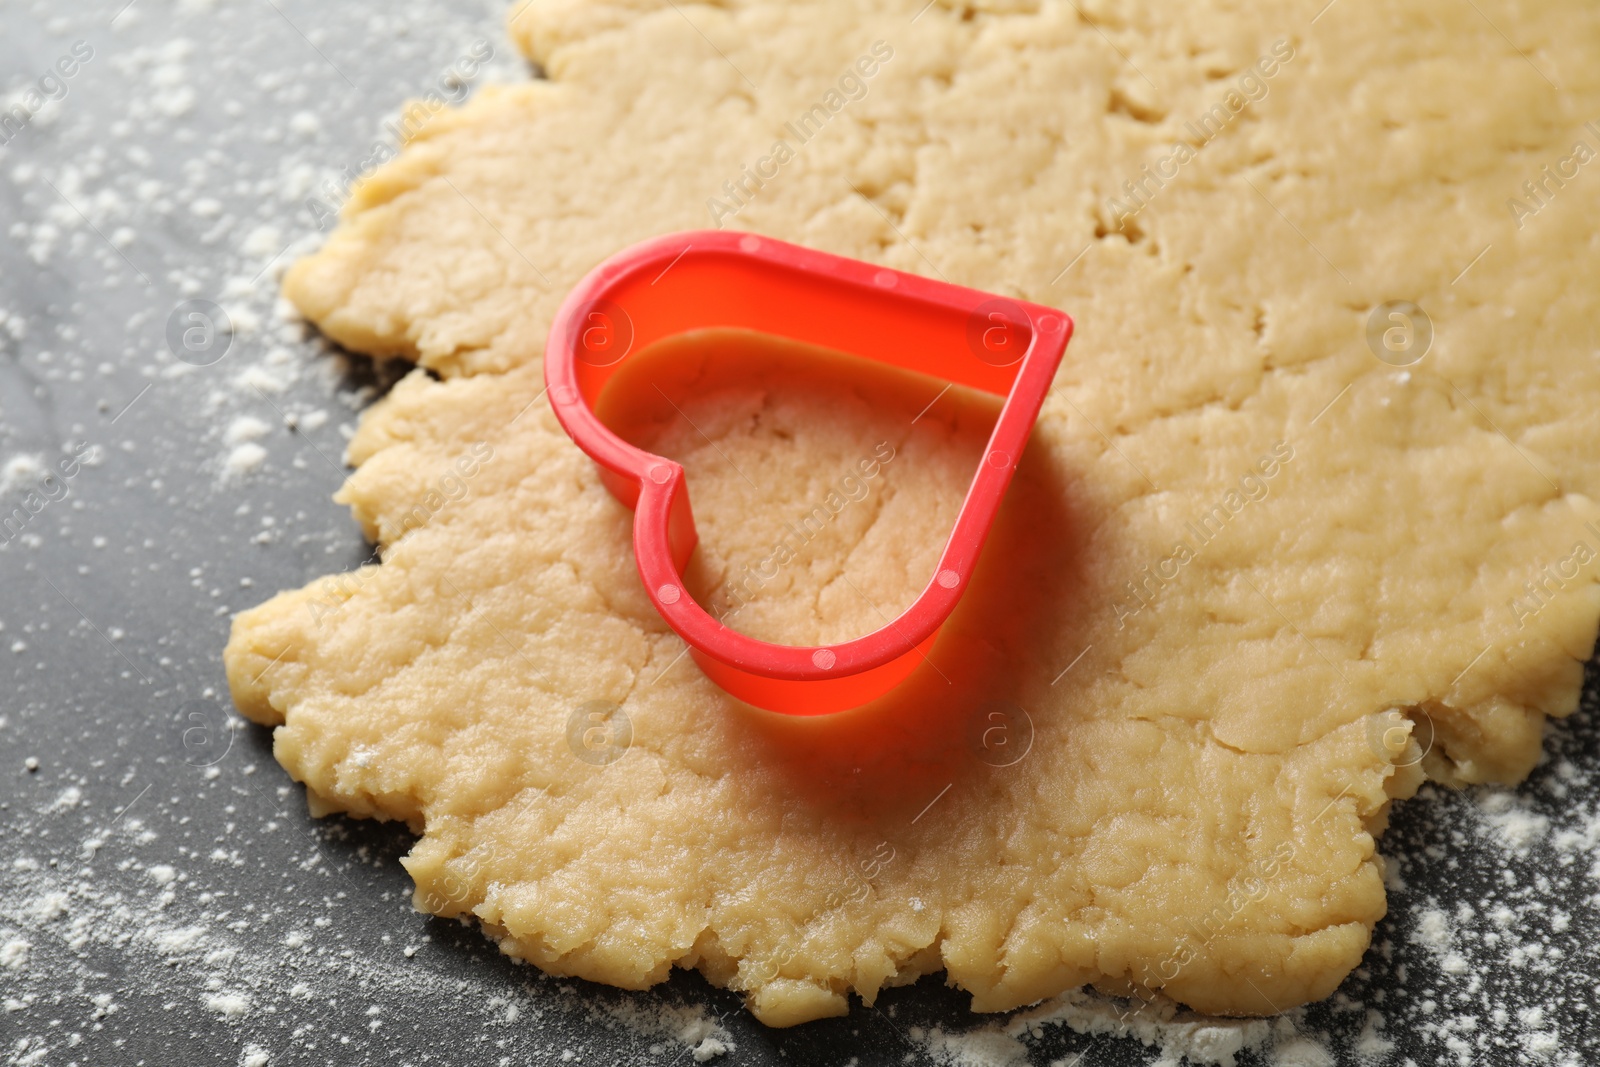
[702, 280]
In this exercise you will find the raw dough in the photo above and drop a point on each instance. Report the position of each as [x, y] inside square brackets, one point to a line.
[1211, 740]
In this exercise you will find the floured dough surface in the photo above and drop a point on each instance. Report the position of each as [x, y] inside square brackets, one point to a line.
[1238, 542]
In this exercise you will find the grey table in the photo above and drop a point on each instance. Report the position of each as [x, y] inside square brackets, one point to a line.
[164, 898]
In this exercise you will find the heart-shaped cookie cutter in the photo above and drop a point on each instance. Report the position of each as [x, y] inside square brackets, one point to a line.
[712, 279]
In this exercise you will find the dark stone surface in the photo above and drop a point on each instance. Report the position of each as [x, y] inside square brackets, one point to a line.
[191, 881]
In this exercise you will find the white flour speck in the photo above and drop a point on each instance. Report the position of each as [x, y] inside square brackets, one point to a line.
[246, 428]
[14, 954]
[231, 1006]
[244, 460]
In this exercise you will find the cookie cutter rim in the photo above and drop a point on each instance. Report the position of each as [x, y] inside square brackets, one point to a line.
[714, 279]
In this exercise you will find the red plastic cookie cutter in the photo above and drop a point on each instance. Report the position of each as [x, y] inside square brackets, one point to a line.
[714, 279]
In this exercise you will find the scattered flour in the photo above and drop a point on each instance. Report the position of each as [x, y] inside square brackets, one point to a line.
[709, 1048]
[180, 934]
[244, 460]
[259, 380]
[1432, 930]
[231, 1006]
[14, 954]
[1512, 819]
[246, 428]
[183, 938]
[990, 1047]
[21, 470]
[1160, 1024]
